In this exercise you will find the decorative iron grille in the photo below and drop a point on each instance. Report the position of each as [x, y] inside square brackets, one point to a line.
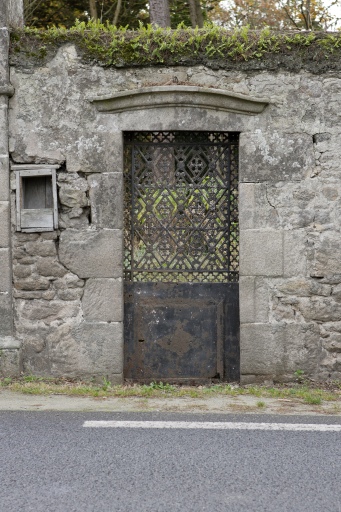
[181, 206]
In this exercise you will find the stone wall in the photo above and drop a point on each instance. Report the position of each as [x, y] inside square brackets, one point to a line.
[68, 284]
[10, 359]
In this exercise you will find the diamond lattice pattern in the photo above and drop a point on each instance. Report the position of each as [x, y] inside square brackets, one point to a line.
[181, 206]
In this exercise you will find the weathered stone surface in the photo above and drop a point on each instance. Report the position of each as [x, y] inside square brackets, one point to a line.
[72, 198]
[33, 283]
[10, 363]
[4, 70]
[4, 178]
[6, 315]
[72, 190]
[280, 350]
[261, 253]
[71, 294]
[5, 271]
[27, 260]
[320, 309]
[49, 311]
[68, 281]
[41, 248]
[26, 237]
[4, 225]
[254, 299]
[304, 287]
[106, 198]
[333, 342]
[50, 235]
[70, 220]
[103, 300]
[294, 253]
[275, 156]
[326, 255]
[50, 267]
[21, 271]
[10, 343]
[100, 348]
[15, 13]
[33, 294]
[92, 253]
[3, 15]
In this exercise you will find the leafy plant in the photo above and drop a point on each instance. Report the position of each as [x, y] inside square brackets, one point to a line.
[106, 384]
[161, 385]
[299, 374]
[260, 404]
[107, 45]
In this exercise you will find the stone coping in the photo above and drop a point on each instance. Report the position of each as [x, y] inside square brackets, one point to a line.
[179, 96]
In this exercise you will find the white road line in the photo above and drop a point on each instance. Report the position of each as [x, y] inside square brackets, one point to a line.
[215, 425]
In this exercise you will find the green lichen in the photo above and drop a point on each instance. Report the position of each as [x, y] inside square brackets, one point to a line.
[108, 46]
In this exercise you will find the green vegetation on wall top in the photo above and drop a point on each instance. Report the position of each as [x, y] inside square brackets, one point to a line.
[214, 46]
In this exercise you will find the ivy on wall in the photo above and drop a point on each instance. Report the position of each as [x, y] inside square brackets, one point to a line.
[214, 46]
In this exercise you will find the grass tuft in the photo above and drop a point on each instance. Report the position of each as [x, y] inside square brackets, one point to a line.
[36, 385]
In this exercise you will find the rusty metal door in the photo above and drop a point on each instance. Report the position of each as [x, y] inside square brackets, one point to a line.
[181, 256]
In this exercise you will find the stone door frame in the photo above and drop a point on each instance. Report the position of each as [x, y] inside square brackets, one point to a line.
[176, 108]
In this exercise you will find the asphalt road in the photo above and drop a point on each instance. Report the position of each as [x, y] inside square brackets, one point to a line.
[49, 462]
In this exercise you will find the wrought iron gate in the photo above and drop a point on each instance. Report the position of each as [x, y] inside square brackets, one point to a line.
[181, 255]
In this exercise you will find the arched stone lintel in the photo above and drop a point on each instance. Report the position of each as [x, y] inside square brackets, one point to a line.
[179, 96]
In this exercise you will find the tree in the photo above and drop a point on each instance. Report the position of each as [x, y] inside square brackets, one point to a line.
[44, 13]
[159, 13]
[197, 18]
[276, 14]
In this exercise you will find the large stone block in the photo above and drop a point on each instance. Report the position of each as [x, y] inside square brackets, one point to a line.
[10, 363]
[4, 43]
[100, 348]
[47, 310]
[103, 300]
[255, 209]
[253, 299]
[295, 253]
[5, 271]
[3, 125]
[93, 151]
[261, 253]
[106, 198]
[6, 315]
[3, 14]
[92, 253]
[4, 178]
[72, 190]
[275, 156]
[246, 205]
[4, 225]
[319, 309]
[279, 350]
[15, 13]
[325, 255]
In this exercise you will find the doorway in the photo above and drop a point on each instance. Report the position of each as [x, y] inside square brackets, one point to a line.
[181, 262]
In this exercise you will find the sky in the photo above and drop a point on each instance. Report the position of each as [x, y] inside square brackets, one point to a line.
[336, 11]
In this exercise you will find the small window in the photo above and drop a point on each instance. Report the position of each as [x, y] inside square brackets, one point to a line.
[36, 199]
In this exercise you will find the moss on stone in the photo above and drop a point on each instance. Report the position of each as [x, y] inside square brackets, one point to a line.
[213, 46]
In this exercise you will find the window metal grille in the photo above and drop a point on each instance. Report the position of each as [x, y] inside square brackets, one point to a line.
[181, 206]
